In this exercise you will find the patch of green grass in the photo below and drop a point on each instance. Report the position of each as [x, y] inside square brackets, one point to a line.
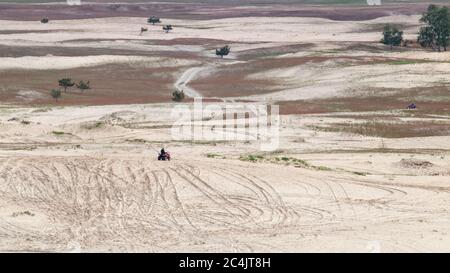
[59, 133]
[98, 124]
[385, 129]
[15, 214]
[301, 162]
[322, 168]
[92, 125]
[360, 173]
[213, 155]
[250, 158]
[137, 140]
[283, 160]
[42, 110]
[405, 62]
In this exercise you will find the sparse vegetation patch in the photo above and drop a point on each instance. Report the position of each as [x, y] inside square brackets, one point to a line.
[283, 160]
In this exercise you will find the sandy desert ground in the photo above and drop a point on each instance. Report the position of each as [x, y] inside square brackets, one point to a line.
[354, 170]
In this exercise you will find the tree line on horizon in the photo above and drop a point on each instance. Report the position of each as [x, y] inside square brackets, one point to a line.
[435, 34]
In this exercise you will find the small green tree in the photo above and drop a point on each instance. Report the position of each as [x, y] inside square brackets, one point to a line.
[224, 51]
[66, 83]
[83, 86]
[167, 28]
[426, 37]
[143, 29]
[392, 36]
[56, 94]
[153, 20]
[178, 95]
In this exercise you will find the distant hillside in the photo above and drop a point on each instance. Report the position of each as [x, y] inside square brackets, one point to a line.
[212, 9]
[352, 2]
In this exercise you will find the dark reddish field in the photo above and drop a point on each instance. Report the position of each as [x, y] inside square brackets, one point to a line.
[111, 84]
[398, 101]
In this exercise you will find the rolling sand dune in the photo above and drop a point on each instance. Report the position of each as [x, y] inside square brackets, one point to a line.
[99, 188]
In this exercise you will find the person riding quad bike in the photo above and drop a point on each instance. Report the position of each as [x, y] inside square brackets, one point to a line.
[163, 155]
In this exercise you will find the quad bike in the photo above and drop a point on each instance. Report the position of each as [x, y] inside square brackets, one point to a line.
[164, 157]
[412, 106]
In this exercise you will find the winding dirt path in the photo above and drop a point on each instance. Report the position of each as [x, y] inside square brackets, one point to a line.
[182, 83]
